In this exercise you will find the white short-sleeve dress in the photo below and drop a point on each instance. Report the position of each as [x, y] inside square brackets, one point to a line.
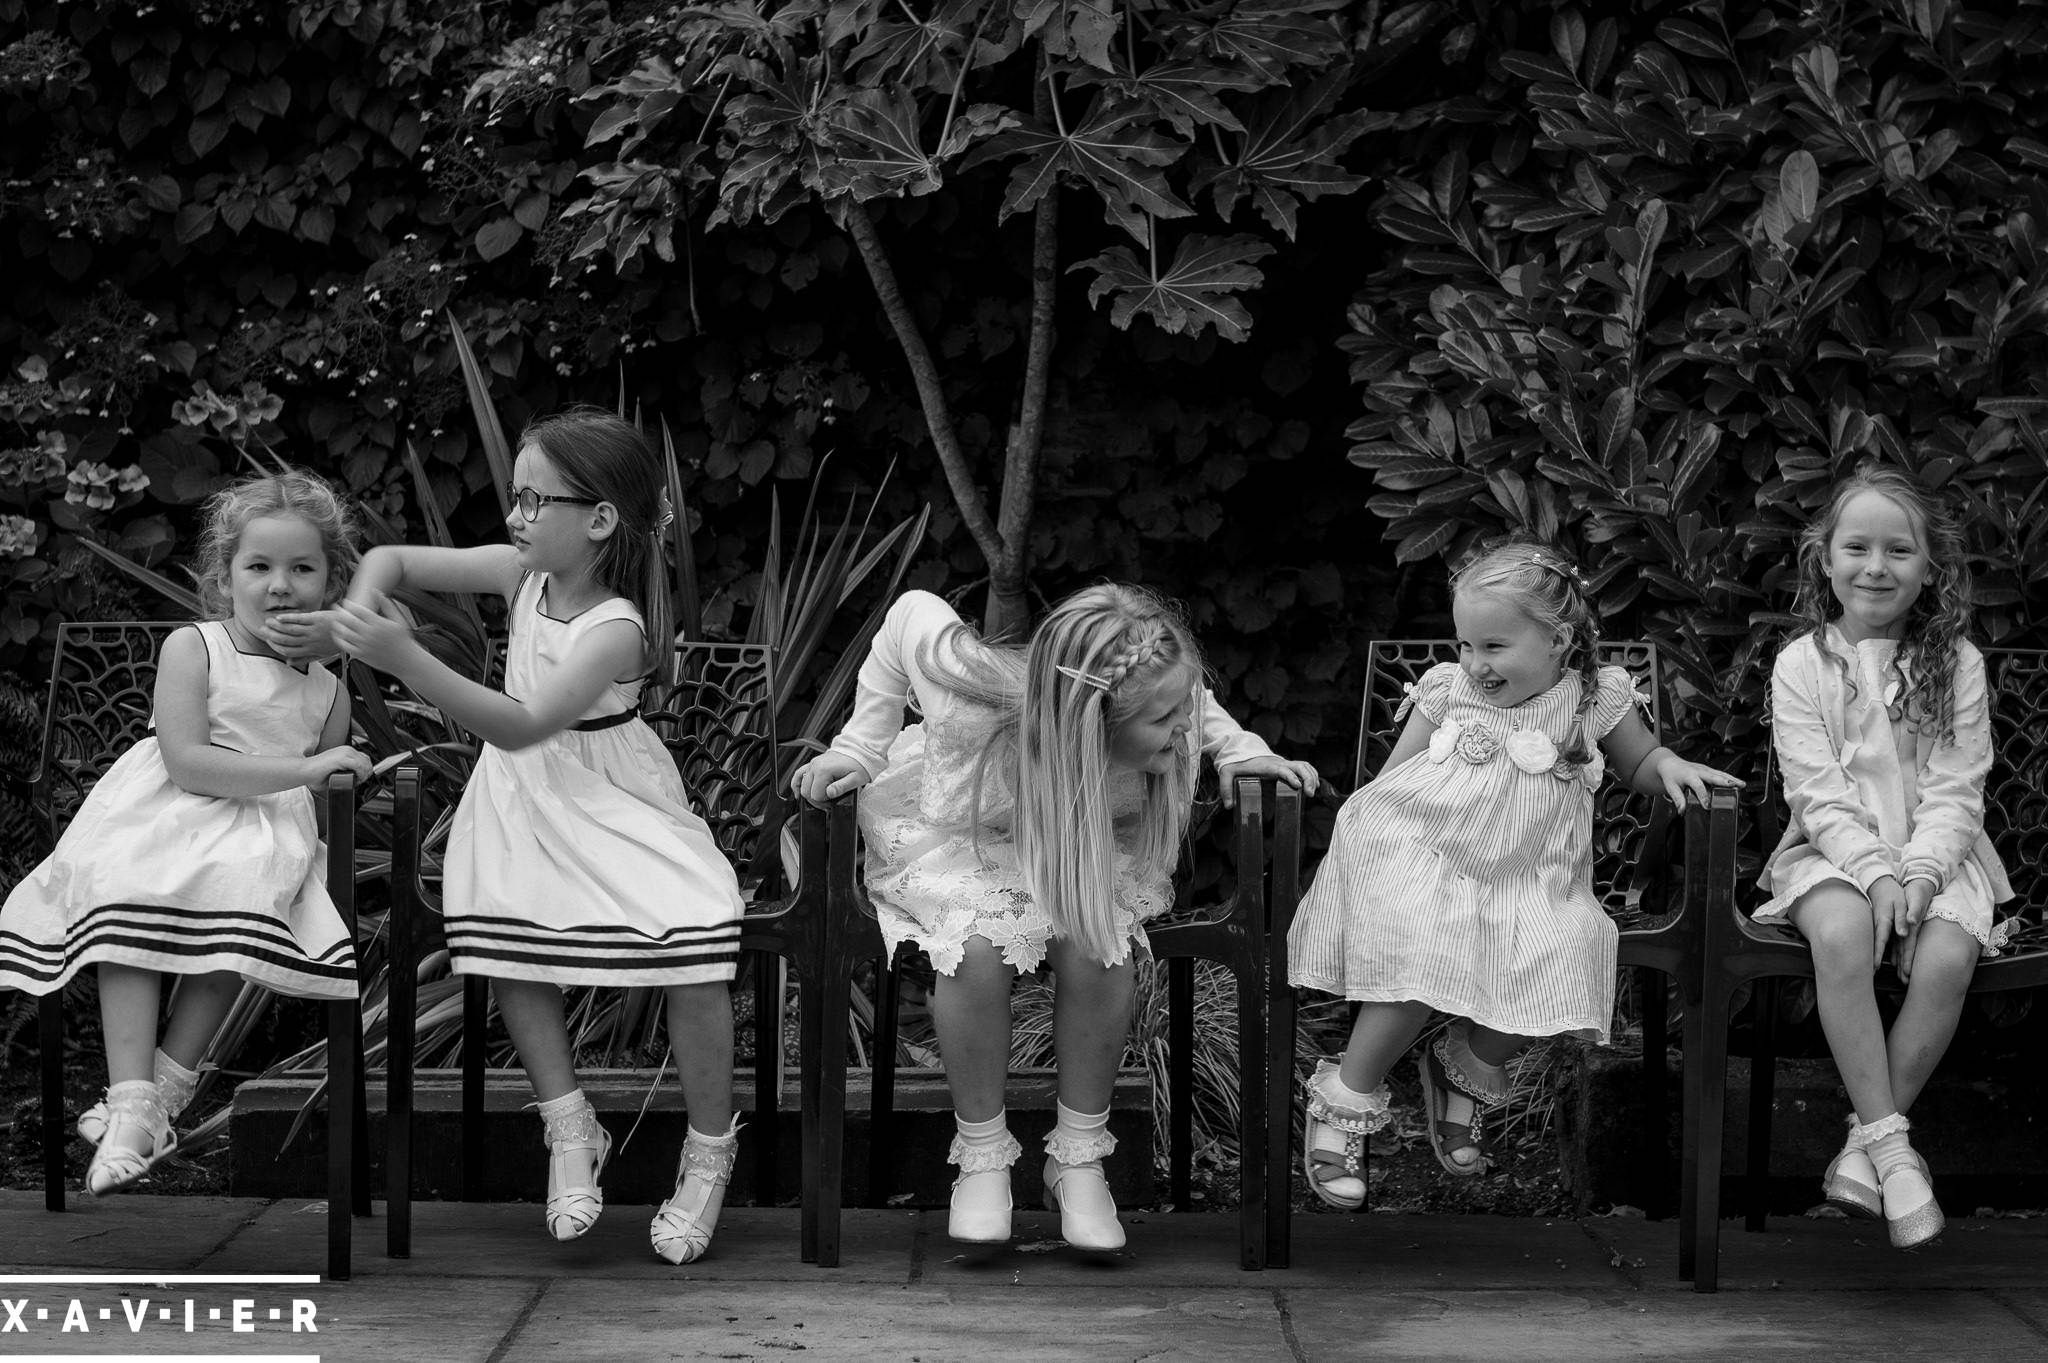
[153, 876]
[1463, 878]
[934, 878]
[578, 860]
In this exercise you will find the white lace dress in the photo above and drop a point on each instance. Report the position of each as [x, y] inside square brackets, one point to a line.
[153, 876]
[1463, 878]
[1872, 795]
[931, 880]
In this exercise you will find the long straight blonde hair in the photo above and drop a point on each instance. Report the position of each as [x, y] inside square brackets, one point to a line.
[1060, 700]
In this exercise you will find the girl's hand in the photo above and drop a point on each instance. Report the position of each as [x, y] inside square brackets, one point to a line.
[1300, 775]
[826, 777]
[333, 762]
[1919, 894]
[372, 631]
[300, 635]
[1887, 915]
[1680, 777]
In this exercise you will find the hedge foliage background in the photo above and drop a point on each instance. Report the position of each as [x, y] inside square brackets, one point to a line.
[1643, 277]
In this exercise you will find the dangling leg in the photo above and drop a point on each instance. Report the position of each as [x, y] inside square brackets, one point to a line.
[577, 1143]
[1091, 1017]
[1944, 958]
[700, 1037]
[198, 1007]
[1464, 1072]
[971, 1015]
[138, 1131]
[1347, 1100]
[1834, 917]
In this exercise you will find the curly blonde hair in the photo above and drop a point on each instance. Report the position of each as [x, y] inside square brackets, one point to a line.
[295, 493]
[1939, 619]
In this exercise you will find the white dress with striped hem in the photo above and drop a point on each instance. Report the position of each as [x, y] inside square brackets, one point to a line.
[578, 859]
[1463, 878]
[153, 876]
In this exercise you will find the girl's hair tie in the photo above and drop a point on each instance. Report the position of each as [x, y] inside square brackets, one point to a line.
[1100, 683]
[665, 514]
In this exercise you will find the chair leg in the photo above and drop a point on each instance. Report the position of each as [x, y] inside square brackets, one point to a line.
[1653, 1186]
[1251, 1128]
[768, 992]
[882, 1082]
[810, 1083]
[476, 1004]
[344, 1081]
[50, 1028]
[1763, 1063]
[1707, 1092]
[1282, 897]
[827, 1142]
[1180, 1081]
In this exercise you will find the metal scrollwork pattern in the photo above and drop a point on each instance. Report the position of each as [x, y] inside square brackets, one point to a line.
[2016, 792]
[1621, 817]
[716, 716]
[102, 689]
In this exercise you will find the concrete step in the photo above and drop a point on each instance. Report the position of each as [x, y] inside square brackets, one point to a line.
[913, 1167]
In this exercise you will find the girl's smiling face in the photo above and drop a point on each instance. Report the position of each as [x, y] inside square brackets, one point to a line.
[1154, 735]
[1877, 563]
[1509, 656]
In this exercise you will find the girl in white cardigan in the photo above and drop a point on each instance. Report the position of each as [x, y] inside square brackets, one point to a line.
[1883, 736]
[1034, 815]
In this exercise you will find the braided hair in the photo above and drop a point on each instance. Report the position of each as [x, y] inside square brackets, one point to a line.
[1096, 658]
[1546, 586]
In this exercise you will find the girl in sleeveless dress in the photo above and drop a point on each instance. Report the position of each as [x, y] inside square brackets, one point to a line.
[1035, 814]
[1461, 878]
[575, 857]
[198, 854]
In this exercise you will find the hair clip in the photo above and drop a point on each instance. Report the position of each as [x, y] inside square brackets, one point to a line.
[1562, 569]
[1100, 683]
[665, 514]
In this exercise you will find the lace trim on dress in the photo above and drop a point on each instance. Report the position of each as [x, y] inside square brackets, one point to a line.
[1993, 939]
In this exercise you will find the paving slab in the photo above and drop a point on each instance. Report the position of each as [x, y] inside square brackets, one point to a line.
[1543, 1324]
[1391, 1251]
[510, 1239]
[1822, 1253]
[1017, 1324]
[122, 1234]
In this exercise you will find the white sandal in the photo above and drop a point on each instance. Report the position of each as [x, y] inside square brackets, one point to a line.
[132, 1105]
[174, 1084]
[682, 1228]
[573, 1208]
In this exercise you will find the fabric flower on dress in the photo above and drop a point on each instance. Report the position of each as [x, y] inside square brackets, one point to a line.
[1532, 750]
[1444, 739]
[1477, 745]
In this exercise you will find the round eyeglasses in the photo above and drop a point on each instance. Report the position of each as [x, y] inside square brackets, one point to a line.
[530, 502]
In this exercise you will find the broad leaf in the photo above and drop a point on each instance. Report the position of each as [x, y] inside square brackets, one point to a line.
[1289, 153]
[1110, 152]
[1200, 289]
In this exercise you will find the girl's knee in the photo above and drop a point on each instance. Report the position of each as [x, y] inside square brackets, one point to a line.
[1945, 957]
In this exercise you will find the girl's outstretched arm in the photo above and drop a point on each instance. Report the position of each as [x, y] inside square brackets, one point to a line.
[185, 737]
[612, 651]
[1950, 815]
[490, 568]
[1237, 751]
[1648, 768]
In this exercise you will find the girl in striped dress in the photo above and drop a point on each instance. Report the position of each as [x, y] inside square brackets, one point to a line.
[575, 857]
[198, 853]
[1461, 879]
